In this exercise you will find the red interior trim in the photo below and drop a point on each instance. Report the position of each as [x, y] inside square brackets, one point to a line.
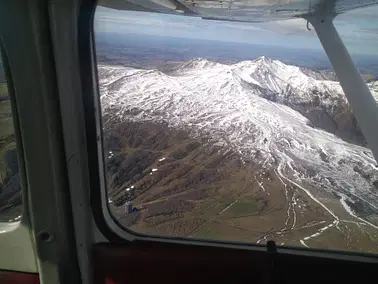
[13, 277]
[153, 262]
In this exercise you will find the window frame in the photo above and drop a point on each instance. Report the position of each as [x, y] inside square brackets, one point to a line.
[107, 224]
[18, 232]
[48, 235]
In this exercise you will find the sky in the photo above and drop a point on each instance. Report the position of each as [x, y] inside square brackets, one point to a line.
[357, 28]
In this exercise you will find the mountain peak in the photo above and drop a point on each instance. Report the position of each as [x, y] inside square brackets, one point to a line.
[200, 63]
[271, 115]
[263, 59]
[259, 62]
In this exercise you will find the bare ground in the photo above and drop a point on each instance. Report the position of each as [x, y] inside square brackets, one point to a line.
[182, 186]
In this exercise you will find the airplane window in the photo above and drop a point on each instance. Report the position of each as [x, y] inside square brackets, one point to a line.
[234, 131]
[10, 189]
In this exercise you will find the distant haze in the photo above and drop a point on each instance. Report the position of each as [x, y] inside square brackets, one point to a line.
[152, 51]
[358, 29]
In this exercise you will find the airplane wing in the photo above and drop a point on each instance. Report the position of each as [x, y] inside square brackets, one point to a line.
[239, 10]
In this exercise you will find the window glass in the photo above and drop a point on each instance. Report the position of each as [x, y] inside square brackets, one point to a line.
[234, 131]
[10, 189]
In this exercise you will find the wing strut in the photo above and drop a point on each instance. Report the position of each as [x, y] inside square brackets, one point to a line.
[361, 100]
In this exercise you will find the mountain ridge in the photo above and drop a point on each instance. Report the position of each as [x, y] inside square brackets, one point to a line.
[258, 109]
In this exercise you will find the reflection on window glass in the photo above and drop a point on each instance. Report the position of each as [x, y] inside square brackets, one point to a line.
[233, 131]
[10, 190]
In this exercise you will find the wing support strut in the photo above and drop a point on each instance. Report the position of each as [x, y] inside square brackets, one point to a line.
[358, 94]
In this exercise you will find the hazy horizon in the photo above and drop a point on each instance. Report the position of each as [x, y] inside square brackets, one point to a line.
[358, 29]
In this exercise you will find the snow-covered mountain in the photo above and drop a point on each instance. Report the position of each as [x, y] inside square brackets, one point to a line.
[287, 119]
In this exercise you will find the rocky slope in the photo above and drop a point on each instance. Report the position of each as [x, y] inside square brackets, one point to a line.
[269, 123]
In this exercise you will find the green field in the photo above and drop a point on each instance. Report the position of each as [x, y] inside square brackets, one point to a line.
[242, 207]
